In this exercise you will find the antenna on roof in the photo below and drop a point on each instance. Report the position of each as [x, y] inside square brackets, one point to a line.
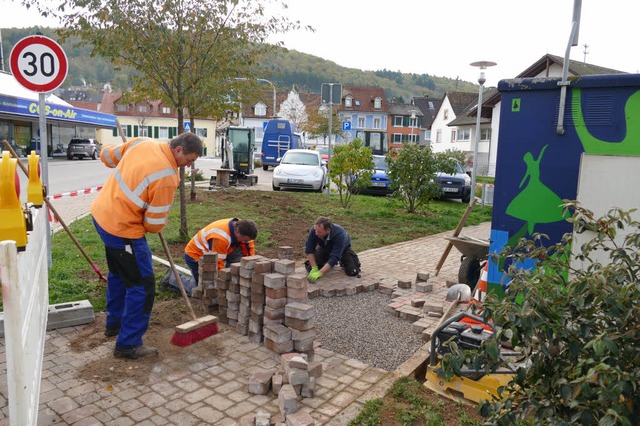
[586, 52]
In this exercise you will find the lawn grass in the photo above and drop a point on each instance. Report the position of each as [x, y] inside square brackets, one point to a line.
[371, 222]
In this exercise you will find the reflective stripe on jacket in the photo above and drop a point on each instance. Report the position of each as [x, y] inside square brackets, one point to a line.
[138, 196]
[218, 237]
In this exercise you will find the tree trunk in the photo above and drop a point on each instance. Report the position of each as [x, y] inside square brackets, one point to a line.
[184, 229]
[192, 196]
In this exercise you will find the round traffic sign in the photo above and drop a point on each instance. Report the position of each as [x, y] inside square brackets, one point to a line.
[39, 63]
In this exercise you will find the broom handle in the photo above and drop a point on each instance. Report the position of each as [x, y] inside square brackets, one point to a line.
[177, 275]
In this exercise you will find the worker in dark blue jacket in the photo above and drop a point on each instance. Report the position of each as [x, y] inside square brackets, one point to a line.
[327, 245]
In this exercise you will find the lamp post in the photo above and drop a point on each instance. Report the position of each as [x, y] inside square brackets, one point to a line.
[481, 80]
[412, 123]
[273, 86]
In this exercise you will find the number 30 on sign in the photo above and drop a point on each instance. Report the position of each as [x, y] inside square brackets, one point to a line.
[39, 63]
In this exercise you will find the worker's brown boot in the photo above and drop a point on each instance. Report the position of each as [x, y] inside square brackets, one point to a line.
[135, 353]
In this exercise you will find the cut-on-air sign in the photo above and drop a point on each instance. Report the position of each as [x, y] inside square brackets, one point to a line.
[38, 63]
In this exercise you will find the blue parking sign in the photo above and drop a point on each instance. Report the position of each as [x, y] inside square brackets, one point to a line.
[346, 125]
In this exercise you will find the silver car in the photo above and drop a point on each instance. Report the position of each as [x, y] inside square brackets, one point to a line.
[81, 148]
[300, 169]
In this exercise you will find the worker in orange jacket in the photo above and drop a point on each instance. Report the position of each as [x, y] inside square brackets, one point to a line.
[230, 238]
[136, 199]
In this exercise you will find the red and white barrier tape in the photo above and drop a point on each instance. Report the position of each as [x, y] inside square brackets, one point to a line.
[84, 191]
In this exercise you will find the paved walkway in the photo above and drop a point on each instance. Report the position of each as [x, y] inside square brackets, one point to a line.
[214, 391]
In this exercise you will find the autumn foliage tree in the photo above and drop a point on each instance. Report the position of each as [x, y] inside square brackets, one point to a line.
[184, 52]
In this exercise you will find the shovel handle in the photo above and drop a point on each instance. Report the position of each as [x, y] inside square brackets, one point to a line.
[177, 275]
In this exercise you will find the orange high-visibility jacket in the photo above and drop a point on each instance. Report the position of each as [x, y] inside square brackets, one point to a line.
[217, 237]
[138, 196]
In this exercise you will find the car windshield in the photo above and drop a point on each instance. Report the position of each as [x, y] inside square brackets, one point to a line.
[380, 163]
[322, 150]
[304, 158]
[80, 142]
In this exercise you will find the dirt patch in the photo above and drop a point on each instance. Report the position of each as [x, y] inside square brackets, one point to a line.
[165, 316]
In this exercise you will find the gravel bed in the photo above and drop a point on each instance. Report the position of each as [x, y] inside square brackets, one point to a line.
[358, 327]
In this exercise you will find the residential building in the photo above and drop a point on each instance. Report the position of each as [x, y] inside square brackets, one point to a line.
[153, 119]
[366, 110]
[429, 108]
[403, 125]
[458, 132]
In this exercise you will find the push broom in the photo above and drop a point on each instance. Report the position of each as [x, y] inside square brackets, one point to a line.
[198, 328]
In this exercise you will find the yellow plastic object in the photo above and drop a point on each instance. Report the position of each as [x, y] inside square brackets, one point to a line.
[34, 188]
[464, 389]
[13, 225]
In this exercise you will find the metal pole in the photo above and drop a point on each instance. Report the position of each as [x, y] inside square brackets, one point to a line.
[481, 80]
[482, 65]
[330, 125]
[44, 148]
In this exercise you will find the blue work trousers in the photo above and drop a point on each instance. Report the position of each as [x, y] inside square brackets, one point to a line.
[131, 287]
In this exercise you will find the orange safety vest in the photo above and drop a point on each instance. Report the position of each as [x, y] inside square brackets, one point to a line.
[138, 196]
[219, 236]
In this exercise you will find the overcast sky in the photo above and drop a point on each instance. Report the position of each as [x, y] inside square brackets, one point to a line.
[442, 38]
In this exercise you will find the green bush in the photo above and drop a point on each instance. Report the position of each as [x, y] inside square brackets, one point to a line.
[413, 174]
[576, 324]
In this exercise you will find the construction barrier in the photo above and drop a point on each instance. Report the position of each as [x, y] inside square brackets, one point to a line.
[25, 295]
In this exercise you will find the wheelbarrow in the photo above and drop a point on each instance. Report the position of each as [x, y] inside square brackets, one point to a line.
[474, 255]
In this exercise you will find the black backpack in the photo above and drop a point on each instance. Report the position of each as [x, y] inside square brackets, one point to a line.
[350, 263]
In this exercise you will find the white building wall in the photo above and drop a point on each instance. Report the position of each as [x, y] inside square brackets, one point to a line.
[440, 124]
[105, 136]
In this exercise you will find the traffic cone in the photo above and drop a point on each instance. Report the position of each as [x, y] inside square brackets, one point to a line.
[481, 287]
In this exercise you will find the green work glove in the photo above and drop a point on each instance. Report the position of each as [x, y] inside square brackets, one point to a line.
[314, 275]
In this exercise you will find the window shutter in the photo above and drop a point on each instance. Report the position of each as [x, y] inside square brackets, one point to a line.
[135, 131]
[156, 133]
[128, 130]
[150, 131]
[115, 132]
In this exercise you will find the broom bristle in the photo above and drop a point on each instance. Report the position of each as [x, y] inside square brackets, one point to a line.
[185, 339]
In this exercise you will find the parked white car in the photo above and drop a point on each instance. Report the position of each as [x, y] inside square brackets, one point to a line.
[300, 169]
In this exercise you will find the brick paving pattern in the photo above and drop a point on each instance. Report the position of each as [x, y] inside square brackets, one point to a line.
[215, 391]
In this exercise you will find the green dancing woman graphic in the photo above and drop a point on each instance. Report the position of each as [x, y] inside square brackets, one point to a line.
[536, 203]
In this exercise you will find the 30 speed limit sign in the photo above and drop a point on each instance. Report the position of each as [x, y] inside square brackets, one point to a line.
[39, 63]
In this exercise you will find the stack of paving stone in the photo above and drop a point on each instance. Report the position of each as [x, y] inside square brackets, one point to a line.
[294, 379]
[258, 294]
[206, 293]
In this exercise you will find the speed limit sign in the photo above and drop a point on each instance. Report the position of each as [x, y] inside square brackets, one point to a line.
[38, 63]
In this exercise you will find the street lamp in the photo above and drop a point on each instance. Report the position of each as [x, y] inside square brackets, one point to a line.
[266, 81]
[481, 80]
[412, 124]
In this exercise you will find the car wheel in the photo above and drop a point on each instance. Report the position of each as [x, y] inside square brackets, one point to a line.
[275, 188]
[93, 155]
[69, 157]
[265, 167]
[466, 198]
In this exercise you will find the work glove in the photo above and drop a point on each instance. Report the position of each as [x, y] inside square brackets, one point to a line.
[314, 275]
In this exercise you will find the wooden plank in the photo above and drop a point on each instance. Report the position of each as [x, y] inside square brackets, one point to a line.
[457, 231]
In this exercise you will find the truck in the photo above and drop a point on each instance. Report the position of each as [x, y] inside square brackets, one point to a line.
[279, 136]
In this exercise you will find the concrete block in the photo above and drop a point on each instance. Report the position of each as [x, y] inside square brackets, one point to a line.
[64, 315]
[300, 418]
[284, 266]
[287, 400]
[260, 382]
[274, 280]
[299, 311]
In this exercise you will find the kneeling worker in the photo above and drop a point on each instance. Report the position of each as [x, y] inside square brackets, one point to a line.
[328, 244]
[230, 238]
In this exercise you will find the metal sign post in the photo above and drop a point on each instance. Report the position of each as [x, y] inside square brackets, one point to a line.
[39, 64]
[330, 93]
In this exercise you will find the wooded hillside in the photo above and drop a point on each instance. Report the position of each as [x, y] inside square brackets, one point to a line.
[285, 69]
